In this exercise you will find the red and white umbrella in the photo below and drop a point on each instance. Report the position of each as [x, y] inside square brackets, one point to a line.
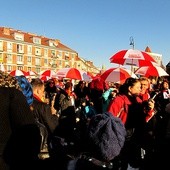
[18, 73]
[151, 71]
[45, 78]
[71, 73]
[117, 75]
[85, 76]
[48, 73]
[32, 73]
[132, 57]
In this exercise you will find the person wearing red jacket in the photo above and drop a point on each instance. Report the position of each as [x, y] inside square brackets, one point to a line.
[130, 109]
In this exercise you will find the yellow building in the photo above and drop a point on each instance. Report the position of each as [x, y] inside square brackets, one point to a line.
[30, 52]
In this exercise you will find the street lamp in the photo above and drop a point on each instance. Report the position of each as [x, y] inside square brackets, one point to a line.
[132, 43]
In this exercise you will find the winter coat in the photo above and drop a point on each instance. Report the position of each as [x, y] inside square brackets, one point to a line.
[42, 111]
[19, 135]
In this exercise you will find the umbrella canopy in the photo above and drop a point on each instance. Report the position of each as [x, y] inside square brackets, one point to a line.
[132, 57]
[48, 73]
[18, 73]
[151, 71]
[71, 73]
[45, 78]
[117, 75]
[32, 73]
[85, 76]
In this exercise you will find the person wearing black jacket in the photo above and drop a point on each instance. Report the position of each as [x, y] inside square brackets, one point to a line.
[19, 135]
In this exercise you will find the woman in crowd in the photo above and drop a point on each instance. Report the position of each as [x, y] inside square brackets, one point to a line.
[131, 111]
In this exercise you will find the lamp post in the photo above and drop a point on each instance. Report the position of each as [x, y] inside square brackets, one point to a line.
[132, 43]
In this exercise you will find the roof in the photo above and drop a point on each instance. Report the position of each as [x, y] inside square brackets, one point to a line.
[8, 33]
[148, 50]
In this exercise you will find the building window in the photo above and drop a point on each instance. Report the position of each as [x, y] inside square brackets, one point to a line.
[53, 53]
[9, 58]
[9, 46]
[51, 43]
[46, 61]
[59, 55]
[9, 68]
[66, 56]
[19, 58]
[20, 67]
[19, 36]
[1, 58]
[29, 68]
[29, 59]
[37, 51]
[45, 52]
[20, 48]
[37, 61]
[37, 70]
[1, 46]
[36, 40]
[29, 49]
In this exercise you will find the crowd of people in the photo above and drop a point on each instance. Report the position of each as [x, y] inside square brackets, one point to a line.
[45, 125]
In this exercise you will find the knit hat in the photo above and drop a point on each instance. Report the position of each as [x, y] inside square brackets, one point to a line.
[26, 88]
[106, 136]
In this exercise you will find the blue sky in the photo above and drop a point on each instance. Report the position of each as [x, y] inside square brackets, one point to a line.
[96, 29]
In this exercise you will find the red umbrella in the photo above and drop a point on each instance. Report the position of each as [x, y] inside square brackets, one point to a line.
[151, 71]
[117, 75]
[49, 73]
[132, 57]
[71, 73]
[18, 73]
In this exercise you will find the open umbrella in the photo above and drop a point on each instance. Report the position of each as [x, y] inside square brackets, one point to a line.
[18, 73]
[117, 75]
[85, 76]
[151, 71]
[48, 73]
[71, 73]
[32, 73]
[132, 57]
[45, 78]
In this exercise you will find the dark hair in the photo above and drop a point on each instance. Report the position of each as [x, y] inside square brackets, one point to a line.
[130, 82]
[68, 85]
[37, 82]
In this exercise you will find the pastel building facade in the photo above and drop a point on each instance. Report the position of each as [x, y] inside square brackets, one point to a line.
[31, 52]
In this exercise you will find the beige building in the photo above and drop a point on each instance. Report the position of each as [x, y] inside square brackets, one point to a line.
[26, 51]
[157, 57]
